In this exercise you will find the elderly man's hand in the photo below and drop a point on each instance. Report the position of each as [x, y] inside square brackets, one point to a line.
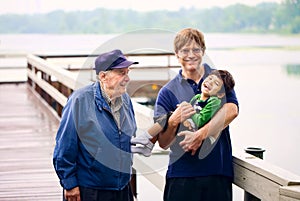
[72, 194]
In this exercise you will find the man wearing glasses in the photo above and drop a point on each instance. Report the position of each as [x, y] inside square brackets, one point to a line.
[190, 176]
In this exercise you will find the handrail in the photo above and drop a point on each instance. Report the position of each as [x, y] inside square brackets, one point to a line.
[258, 177]
[63, 76]
[12, 67]
[262, 179]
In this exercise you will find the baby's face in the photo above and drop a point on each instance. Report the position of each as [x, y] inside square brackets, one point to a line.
[211, 85]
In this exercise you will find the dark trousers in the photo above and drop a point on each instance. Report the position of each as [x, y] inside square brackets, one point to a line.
[89, 194]
[211, 188]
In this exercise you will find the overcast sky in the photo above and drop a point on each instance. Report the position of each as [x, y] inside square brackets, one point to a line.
[45, 6]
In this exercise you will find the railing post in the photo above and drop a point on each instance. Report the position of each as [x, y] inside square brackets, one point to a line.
[258, 152]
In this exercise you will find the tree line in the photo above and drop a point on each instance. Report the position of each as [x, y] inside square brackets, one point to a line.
[262, 18]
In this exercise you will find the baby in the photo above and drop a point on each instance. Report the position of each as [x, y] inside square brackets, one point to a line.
[206, 104]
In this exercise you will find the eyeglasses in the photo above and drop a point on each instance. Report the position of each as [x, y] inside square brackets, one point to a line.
[185, 52]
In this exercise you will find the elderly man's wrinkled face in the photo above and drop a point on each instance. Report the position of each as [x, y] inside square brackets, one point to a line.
[115, 81]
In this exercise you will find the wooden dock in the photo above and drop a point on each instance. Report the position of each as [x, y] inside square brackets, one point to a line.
[27, 133]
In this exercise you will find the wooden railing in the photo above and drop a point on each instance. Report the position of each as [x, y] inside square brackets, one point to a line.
[258, 177]
[12, 67]
[54, 84]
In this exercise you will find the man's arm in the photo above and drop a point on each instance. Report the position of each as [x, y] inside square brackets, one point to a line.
[66, 149]
[182, 112]
[221, 120]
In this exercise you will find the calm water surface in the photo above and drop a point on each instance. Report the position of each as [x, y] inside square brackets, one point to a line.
[269, 104]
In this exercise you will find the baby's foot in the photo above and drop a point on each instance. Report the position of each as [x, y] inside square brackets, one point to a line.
[145, 150]
[143, 139]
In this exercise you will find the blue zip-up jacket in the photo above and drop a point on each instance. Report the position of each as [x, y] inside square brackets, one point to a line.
[91, 151]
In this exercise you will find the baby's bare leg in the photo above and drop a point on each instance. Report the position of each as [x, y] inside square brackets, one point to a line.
[155, 129]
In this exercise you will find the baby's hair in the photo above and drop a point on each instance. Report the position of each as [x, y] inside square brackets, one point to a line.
[228, 81]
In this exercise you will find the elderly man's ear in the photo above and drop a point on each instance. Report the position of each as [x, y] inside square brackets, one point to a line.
[102, 75]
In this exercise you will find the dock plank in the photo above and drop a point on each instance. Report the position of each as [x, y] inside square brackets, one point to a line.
[27, 133]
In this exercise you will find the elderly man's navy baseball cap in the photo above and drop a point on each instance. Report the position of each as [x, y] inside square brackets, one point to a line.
[112, 60]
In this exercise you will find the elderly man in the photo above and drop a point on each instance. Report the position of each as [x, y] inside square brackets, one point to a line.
[92, 156]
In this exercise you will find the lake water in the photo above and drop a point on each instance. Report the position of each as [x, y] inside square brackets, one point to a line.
[268, 92]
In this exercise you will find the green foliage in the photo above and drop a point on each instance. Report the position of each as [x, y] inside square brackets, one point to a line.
[288, 16]
[265, 17]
